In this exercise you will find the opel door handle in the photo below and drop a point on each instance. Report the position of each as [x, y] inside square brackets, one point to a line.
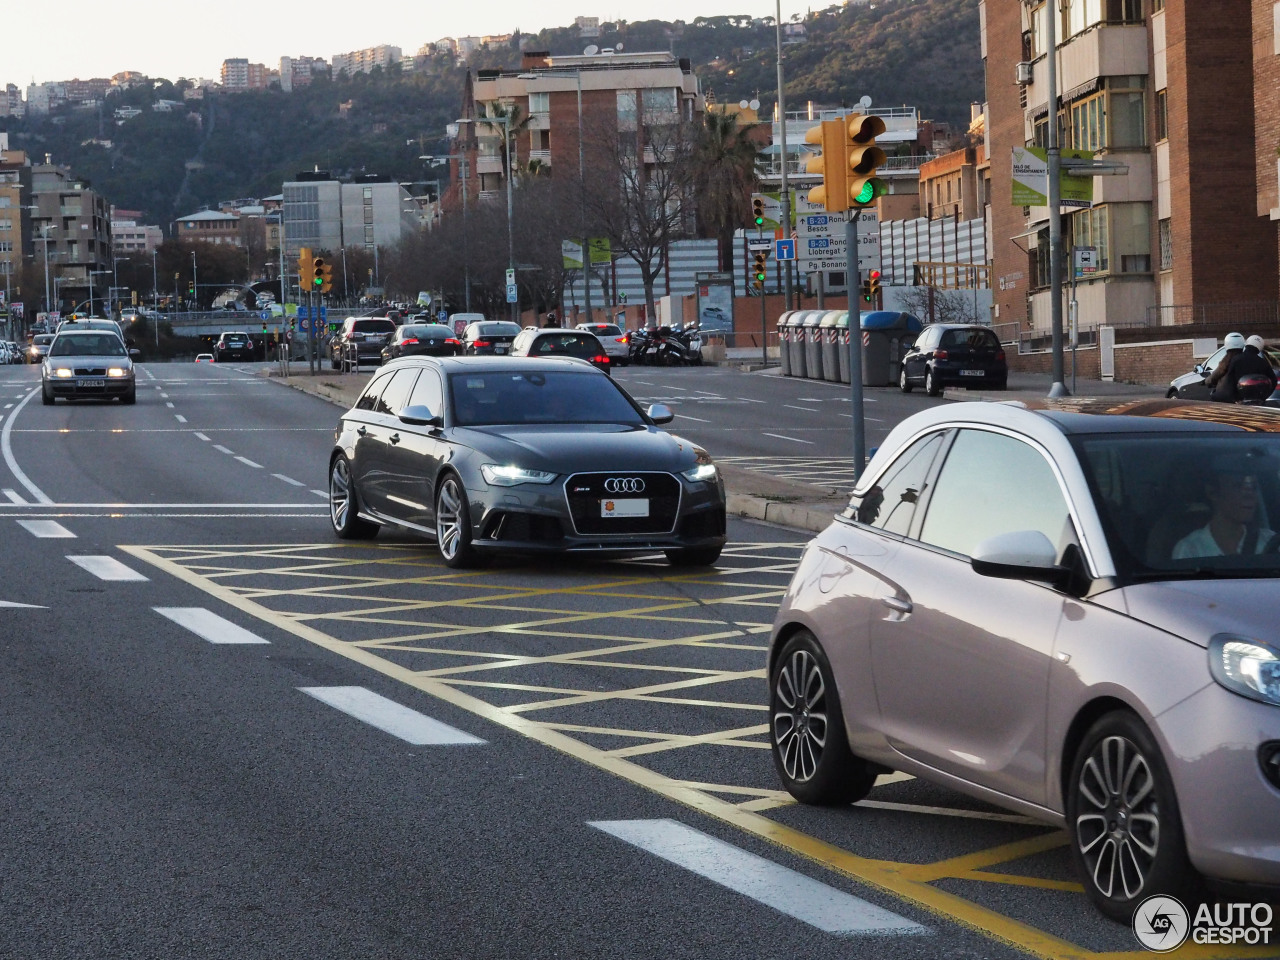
[395, 438]
[893, 603]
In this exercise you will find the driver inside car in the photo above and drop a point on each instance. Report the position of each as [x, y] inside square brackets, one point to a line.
[1233, 527]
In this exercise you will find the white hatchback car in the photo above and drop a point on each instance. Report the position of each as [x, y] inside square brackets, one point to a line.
[613, 338]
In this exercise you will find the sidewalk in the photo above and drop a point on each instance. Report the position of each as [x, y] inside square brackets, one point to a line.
[756, 496]
[1035, 386]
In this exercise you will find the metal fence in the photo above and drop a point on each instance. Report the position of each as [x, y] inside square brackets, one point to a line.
[1245, 313]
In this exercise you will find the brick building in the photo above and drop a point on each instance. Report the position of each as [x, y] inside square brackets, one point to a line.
[1167, 88]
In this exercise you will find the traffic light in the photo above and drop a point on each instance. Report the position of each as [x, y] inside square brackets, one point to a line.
[863, 158]
[322, 279]
[306, 272]
[757, 211]
[847, 163]
[191, 288]
[873, 285]
[759, 271]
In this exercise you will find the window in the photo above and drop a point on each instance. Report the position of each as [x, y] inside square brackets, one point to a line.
[1162, 115]
[1089, 229]
[626, 110]
[660, 105]
[1036, 32]
[6, 246]
[1131, 236]
[539, 103]
[428, 393]
[369, 399]
[992, 484]
[1127, 110]
[890, 504]
[396, 393]
[1166, 244]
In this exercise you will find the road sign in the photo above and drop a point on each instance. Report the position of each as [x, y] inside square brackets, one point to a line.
[513, 292]
[820, 243]
[303, 313]
[265, 315]
[784, 250]
[511, 279]
[756, 244]
[442, 315]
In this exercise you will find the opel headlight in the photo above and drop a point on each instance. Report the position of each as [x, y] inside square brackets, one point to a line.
[509, 476]
[1245, 666]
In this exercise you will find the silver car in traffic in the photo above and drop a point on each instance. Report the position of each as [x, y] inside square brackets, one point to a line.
[1068, 609]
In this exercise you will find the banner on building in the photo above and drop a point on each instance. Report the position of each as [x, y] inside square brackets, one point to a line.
[1031, 179]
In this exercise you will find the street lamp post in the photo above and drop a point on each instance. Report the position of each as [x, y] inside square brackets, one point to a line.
[115, 278]
[8, 303]
[511, 237]
[782, 132]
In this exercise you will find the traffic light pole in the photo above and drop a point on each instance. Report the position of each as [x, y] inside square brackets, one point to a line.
[853, 279]
[1054, 199]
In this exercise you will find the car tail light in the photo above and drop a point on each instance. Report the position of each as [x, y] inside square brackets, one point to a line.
[626, 338]
[482, 343]
[409, 340]
[1000, 355]
[939, 354]
[456, 343]
[600, 359]
[619, 339]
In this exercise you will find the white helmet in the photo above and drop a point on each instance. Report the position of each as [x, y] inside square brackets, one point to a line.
[1234, 341]
[1256, 342]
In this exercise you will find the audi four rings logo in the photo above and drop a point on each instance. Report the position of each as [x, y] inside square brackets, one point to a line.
[624, 485]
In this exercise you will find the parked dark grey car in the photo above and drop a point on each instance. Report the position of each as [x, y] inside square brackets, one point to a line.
[966, 355]
[498, 454]
[1068, 610]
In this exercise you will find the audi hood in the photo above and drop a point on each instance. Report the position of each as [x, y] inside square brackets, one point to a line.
[594, 447]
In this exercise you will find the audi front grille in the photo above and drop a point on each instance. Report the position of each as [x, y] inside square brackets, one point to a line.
[585, 491]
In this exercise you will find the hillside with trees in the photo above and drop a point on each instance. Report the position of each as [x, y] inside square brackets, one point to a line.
[924, 53]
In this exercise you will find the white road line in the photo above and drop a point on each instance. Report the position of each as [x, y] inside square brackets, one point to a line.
[776, 886]
[220, 447]
[106, 568]
[169, 404]
[321, 493]
[389, 716]
[778, 436]
[202, 437]
[751, 400]
[289, 480]
[180, 418]
[685, 416]
[809, 399]
[24, 606]
[15, 497]
[46, 529]
[805, 409]
[249, 463]
[208, 625]
[7, 450]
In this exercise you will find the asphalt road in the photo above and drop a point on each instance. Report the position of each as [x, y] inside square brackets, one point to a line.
[224, 733]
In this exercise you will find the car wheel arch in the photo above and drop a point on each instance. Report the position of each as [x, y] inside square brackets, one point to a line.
[1089, 713]
[783, 637]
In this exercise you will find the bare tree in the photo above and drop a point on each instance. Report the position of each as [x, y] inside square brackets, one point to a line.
[935, 305]
[644, 197]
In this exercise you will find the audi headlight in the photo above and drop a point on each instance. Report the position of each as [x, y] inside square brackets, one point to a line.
[1245, 666]
[117, 372]
[703, 471]
[509, 476]
[62, 372]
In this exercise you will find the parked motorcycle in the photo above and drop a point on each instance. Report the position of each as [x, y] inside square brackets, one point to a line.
[678, 347]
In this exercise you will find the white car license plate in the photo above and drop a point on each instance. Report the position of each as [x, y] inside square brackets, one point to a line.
[624, 508]
[500, 348]
[972, 373]
[93, 383]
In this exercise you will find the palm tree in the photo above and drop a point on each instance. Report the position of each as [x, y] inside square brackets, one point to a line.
[517, 122]
[724, 175]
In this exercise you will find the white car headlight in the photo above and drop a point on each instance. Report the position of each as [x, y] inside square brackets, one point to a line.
[117, 372]
[509, 476]
[1245, 666]
[703, 471]
[62, 372]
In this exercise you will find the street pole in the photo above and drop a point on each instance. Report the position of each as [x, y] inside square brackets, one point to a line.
[1054, 195]
[44, 235]
[8, 304]
[91, 273]
[155, 284]
[782, 133]
[511, 236]
[464, 168]
[853, 278]
[195, 284]
[582, 196]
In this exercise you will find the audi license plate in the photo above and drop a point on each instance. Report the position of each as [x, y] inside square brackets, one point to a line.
[972, 373]
[93, 383]
[624, 508]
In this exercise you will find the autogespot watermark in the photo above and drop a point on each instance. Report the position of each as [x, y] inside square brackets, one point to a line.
[1162, 924]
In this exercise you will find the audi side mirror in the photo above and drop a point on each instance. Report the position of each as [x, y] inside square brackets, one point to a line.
[419, 415]
[660, 413]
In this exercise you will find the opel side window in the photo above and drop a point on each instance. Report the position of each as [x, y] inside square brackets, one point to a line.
[369, 399]
[991, 484]
[890, 503]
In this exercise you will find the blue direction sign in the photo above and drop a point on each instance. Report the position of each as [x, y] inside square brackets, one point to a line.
[265, 315]
[784, 250]
[513, 293]
[442, 316]
[304, 312]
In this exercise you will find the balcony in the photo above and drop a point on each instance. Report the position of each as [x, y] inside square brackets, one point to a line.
[542, 156]
[491, 194]
[489, 163]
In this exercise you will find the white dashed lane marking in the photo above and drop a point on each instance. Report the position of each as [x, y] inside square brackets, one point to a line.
[289, 480]
[46, 529]
[221, 449]
[249, 463]
[107, 568]
[180, 418]
[208, 625]
[14, 497]
[391, 717]
[776, 886]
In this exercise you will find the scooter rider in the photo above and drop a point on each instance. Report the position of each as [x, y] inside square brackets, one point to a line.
[1251, 362]
[1217, 381]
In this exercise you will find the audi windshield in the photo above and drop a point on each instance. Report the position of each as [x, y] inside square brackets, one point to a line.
[489, 399]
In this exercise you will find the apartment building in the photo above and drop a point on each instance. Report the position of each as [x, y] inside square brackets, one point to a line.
[238, 75]
[1182, 94]
[298, 72]
[11, 102]
[15, 218]
[326, 214]
[132, 239]
[71, 226]
[363, 61]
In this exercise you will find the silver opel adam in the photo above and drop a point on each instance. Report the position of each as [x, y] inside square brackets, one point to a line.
[1072, 611]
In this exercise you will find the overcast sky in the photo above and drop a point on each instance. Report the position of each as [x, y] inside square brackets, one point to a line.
[89, 38]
